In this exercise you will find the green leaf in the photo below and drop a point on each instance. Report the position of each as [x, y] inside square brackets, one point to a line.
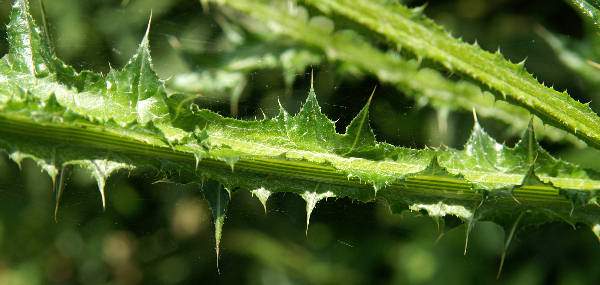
[301, 153]
[412, 31]
[223, 74]
[588, 8]
[359, 134]
[28, 52]
[408, 76]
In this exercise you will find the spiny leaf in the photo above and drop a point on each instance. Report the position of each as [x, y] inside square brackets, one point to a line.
[263, 195]
[528, 147]
[101, 169]
[311, 128]
[359, 134]
[224, 74]
[142, 81]
[407, 75]
[28, 51]
[312, 198]
[412, 31]
[46, 163]
[299, 153]
[218, 199]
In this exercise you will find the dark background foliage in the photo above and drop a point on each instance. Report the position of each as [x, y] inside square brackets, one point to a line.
[162, 233]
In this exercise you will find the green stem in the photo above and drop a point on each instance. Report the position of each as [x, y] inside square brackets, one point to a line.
[412, 31]
[110, 140]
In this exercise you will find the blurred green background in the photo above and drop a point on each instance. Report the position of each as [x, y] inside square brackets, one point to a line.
[161, 233]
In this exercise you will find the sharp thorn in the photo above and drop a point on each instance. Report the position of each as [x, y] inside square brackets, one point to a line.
[469, 228]
[475, 116]
[501, 265]
[593, 64]
[59, 192]
[218, 269]
[372, 93]
[149, 23]
[306, 231]
[516, 200]
[103, 200]
[311, 79]
[507, 243]
[439, 237]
